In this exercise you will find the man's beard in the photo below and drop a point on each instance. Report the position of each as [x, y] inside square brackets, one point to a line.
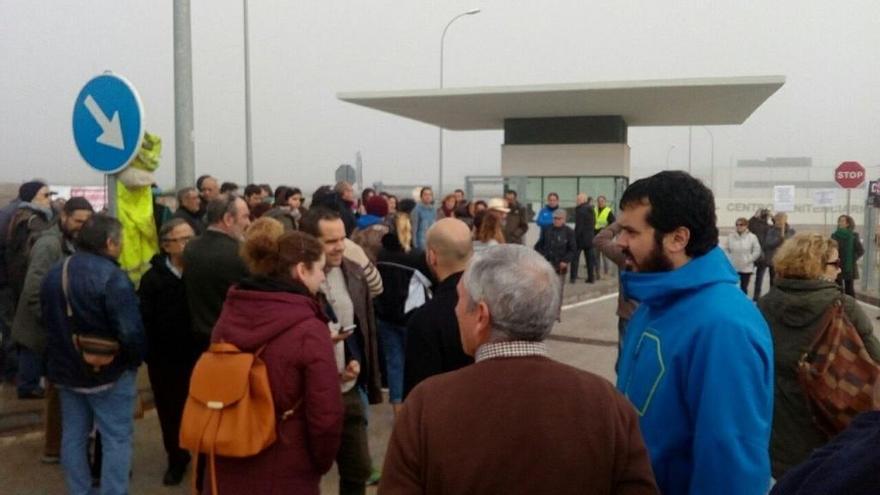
[656, 261]
[66, 233]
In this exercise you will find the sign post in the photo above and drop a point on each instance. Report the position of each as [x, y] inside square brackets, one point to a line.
[108, 127]
[849, 175]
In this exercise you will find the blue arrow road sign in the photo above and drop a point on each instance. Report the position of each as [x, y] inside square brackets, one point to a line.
[108, 123]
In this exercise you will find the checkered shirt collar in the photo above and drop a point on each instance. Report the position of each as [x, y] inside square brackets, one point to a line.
[516, 348]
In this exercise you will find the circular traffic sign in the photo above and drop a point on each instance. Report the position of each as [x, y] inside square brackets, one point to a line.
[108, 123]
[849, 175]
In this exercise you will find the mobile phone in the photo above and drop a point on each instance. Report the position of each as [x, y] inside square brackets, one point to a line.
[348, 329]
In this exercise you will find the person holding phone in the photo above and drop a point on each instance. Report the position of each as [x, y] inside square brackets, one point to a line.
[357, 352]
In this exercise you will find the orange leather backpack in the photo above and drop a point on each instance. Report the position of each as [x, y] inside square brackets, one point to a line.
[229, 411]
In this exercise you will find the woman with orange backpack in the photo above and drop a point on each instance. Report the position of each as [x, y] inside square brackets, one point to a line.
[274, 314]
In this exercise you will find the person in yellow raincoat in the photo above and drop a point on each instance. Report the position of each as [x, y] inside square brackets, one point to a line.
[135, 209]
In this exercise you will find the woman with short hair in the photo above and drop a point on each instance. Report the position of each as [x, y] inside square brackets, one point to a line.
[447, 207]
[743, 250]
[807, 267]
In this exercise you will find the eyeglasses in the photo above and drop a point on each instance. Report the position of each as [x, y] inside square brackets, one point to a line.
[836, 263]
[181, 240]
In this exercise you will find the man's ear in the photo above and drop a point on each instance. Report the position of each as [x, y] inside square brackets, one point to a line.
[676, 241]
[484, 322]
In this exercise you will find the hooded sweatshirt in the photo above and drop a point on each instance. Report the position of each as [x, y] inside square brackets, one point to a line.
[697, 364]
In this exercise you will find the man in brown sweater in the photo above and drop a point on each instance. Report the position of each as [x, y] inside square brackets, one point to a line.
[515, 421]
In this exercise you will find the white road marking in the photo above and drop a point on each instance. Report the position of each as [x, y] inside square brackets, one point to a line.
[589, 301]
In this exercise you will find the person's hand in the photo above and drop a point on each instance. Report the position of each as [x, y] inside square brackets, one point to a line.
[563, 265]
[340, 336]
[351, 372]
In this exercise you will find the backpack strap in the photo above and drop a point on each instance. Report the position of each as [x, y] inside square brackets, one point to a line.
[65, 287]
[834, 309]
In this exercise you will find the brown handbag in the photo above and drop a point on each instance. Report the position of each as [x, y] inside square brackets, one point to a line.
[95, 350]
[837, 374]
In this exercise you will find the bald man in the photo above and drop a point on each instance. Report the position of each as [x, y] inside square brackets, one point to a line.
[433, 345]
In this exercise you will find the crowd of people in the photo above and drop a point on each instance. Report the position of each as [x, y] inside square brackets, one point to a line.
[341, 296]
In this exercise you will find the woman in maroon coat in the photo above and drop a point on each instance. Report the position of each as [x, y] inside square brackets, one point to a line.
[276, 307]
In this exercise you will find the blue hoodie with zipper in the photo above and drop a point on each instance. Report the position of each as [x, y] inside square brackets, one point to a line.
[697, 364]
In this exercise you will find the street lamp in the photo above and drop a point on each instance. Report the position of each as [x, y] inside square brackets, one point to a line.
[440, 141]
[248, 132]
[668, 152]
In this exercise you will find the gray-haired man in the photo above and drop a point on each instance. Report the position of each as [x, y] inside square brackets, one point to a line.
[559, 246]
[515, 421]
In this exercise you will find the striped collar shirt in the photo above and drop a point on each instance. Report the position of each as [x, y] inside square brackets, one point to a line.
[515, 348]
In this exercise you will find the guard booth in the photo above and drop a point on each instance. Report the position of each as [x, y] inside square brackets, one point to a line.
[570, 138]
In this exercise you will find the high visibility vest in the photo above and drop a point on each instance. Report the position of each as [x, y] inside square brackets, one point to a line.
[602, 218]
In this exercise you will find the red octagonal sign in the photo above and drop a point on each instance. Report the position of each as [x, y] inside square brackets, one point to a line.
[849, 175]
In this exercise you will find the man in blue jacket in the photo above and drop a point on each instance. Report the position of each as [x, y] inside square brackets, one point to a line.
[103, 304]
[545, 216]
[697, 359]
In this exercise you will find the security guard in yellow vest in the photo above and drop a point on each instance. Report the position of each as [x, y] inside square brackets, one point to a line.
[604, 218]
[604, 215]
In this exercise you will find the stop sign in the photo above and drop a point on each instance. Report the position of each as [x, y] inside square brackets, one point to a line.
[849, 175]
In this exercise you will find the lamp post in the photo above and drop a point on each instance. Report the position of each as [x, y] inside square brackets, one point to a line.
[184, 147]
[440, 140]
[668, 152]
[248, 136]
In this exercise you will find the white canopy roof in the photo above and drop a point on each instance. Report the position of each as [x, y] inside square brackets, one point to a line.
[704, 101]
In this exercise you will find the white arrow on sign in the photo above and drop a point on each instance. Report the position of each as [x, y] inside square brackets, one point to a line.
[111, 134]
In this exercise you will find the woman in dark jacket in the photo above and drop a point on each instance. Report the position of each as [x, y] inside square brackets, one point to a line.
[850, 247]
[171, 349]
[276, 307]
[776, 235]
[398, 266]
[807, 267]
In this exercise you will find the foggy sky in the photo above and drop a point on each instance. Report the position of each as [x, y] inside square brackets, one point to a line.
[304, 52]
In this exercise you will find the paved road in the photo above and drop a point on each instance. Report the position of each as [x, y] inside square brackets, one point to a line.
[586, 338]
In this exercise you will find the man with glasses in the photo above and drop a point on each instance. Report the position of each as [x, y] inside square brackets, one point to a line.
[171, 352]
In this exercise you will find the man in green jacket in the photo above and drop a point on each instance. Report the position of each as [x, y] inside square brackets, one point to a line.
[28, 330]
